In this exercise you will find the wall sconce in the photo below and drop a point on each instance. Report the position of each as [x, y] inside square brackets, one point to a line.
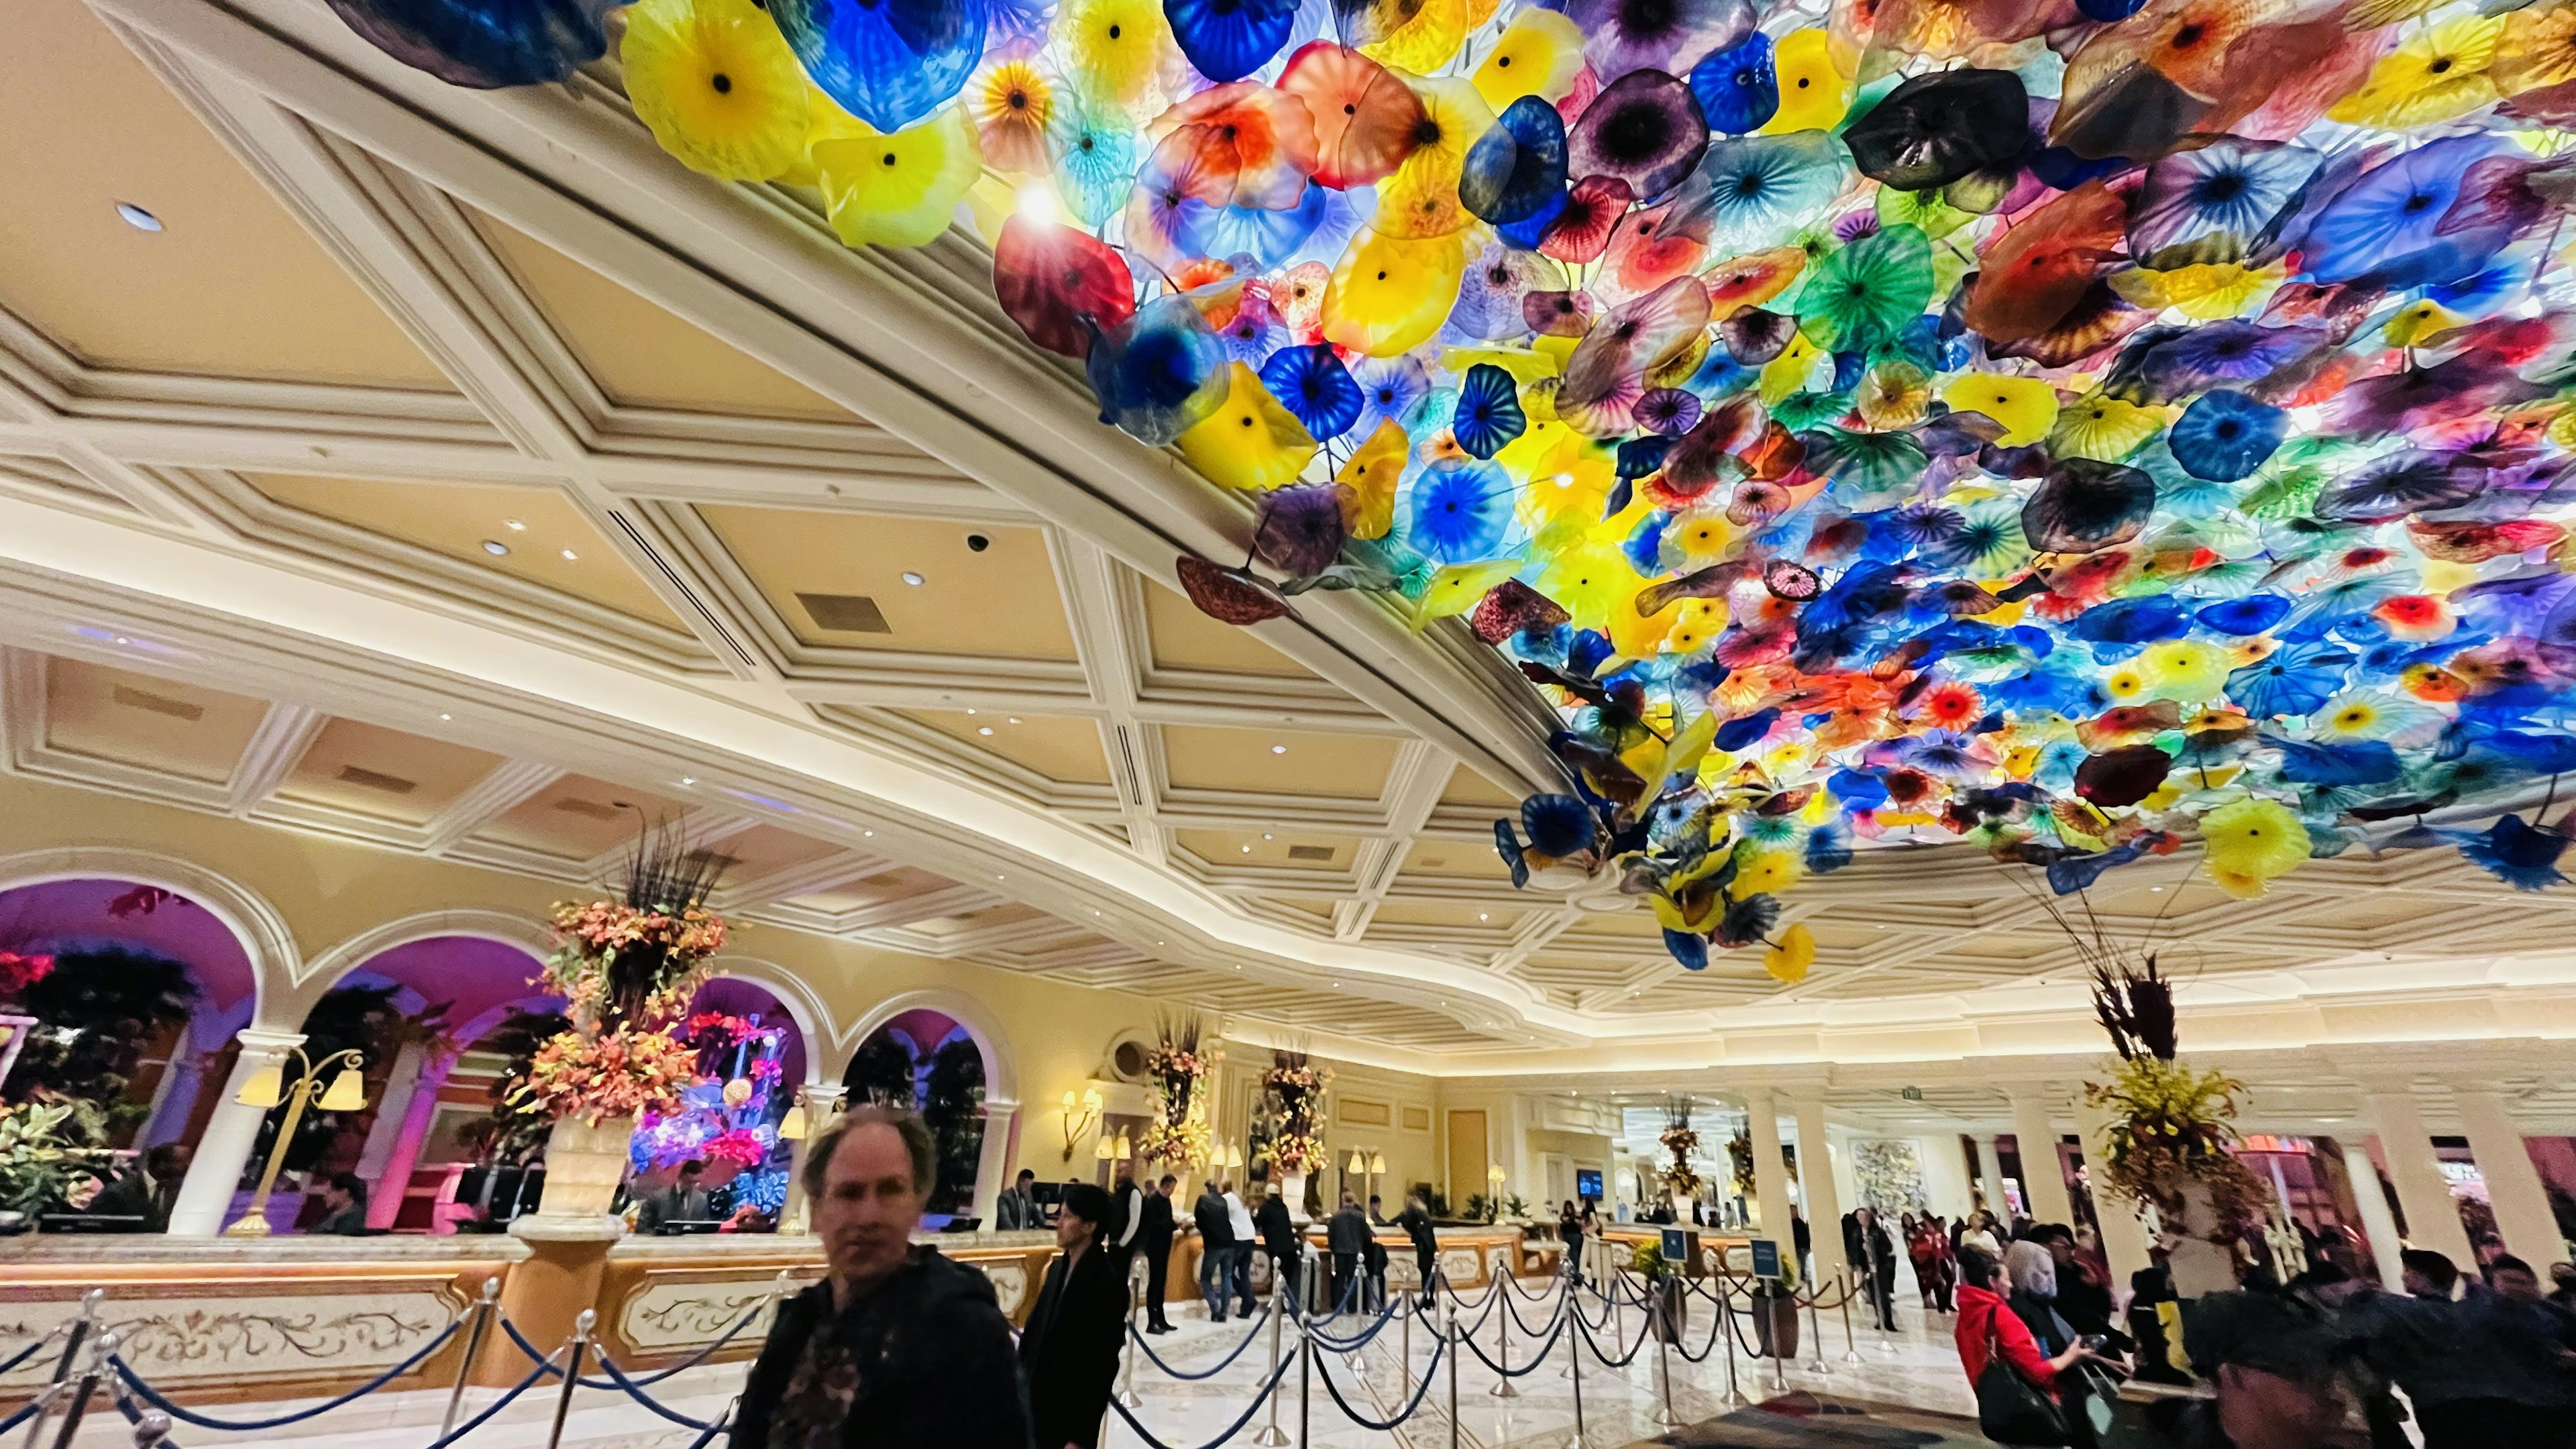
[791, 1128]
[1233, 1158]
[1080, 1115]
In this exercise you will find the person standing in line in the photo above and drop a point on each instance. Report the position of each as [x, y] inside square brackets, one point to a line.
[1989, 1329]
[1127, 1216]
[1802, 1239]
[1279, 1240]
[1238, 1219]
[1016, 1210]
[1346, 1238]
[1216, 1249]
[1154, 1242]
[1069, 1351]
[148, 1189]
[1878, 1255]
[1373, 1264]
[1416, 1222]
[897, 1344]
[1569, 1232]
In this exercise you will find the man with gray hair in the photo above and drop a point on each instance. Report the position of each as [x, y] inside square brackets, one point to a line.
[897, 1344]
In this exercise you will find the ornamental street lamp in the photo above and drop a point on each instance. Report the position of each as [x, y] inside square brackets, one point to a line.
[267, 1088]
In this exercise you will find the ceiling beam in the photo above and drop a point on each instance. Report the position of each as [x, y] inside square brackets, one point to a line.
[285, 732]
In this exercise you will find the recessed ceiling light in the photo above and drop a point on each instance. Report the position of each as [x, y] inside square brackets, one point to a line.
[447, 716]
[2159, 890]
[1480, 915]
[570, 556]
[1015, 719]
[1278, 749]
[1266, 835]
[137, 218]
[514, 525]
[983, 729]
[1247, 850]
[867, 832]
[688, 780]
[970, 711]
[121, 639]
[912, 578]
[495, 547]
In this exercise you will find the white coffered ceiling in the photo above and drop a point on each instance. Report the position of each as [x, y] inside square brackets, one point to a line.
[798, 543]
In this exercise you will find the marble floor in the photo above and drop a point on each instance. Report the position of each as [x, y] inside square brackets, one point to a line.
[1915, 1368]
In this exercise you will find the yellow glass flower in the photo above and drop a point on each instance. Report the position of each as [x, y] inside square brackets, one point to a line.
[2418, 320]
[1633, 634]
[2249, 842]
[2026, 406]
[1457, 588]
[1794, 369]
[1766, 872]
[2126, 684]
[1594, 584]
[1814, 93]
[1539, 54]
[1790, 957]
[824, 121]
[1701, 534]
[1390, 294]
[2204, 292]
[2105, 428]
[1426, 39]
[2538, 49]
[1421, 199]
[1251, 442]
[1526, 365]
[1892, 394]
[2186, 670]
[717, 85]
[899, 190]
[2440, 75]
[1565, 477]
[1118, 52]
[1701, 622]
[1011, 100]
[1371, 475]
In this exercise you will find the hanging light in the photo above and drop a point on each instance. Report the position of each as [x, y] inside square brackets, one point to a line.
[791, 1128]
[347, 1093]
[1125, 1149]
[1377, 1163]
[266, 1088]
[1357, 1164]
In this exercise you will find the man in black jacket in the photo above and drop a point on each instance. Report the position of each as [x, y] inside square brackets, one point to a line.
[1216, 1248]
[1279, 1240]
[1416, 1222]
[1347, 1236]
[897, 1345]
[1154, 1240]
[1069, 1351]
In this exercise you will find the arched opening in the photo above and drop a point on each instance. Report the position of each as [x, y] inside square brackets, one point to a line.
[751, 1060]
[925, 1059]
[135, 993]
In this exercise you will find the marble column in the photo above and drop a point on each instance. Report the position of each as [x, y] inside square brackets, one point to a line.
[2513, 1185]
[1816, 1179]
[2043, 1173]
[2124, 1233]
[411, 1103]
[2378, 1224]
[1990, 1175]
[224, 1148]
[993, 1164]
[1770, 1174]
[2432, 1215]
[821, 1101]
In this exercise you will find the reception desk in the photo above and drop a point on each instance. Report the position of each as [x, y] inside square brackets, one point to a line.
[1731, 1250]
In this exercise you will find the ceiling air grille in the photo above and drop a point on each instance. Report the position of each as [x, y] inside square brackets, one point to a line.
[363, 777]
[1310, 852]
[133, 698]
[587, 809]
[846, 613]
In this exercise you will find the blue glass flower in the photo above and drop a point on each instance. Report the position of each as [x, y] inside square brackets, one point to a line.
[1737, 88]
[2292, 680]
[2521, 855]
[1230, 39]
[2225, 435]
[1489, 412]
[484, 44]
[888, 62]
[1517, 167]
[2242, 618]
[1311, 383]
[1458, 511]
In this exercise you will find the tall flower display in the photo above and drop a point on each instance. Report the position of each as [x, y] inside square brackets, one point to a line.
[1179, 1065]
[1681, 1140]
[1292, 1101]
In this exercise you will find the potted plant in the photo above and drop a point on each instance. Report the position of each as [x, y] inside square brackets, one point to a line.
[1667, 1306]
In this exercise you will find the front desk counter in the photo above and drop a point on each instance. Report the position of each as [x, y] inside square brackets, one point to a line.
[1621, 1241]
[220, 1320]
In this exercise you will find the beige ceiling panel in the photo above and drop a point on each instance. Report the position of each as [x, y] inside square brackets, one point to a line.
[1457, 860]
[231, 286]
[1284, 762]
[642, 355]
[1184, 638]
[156, 724]
[370, 770]
[765, 848]
[1460, 914]
[1000, 600]
[876, 890]
[1061, 747]
[1284, 849]
[548, 540]
[1466, 787]
[577, 818]
[1009, 913]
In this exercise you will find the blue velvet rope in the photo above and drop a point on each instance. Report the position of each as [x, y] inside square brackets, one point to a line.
[22, 1355]
[155, 1398]
[1267, 1389]
[1353, 1344]
[1388, 1425]
[1556, 1331]
[618, 1379]
[1222, 1364]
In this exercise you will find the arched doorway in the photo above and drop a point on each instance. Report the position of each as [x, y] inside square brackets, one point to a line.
[925, 1059]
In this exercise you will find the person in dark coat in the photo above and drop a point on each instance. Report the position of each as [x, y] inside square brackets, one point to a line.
[1154, 1241]
[1069, 1351]
[1216, 1248]
[1416, 1222]
[897, 1344]
[1803, 1239]
[1346, 1237]
[344, 1204]
[147, 1190]
[1279, 1240]
[1873, 1259]
[1569, 1231]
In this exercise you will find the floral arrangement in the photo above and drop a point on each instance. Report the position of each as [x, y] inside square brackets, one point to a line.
[18, 972]
[51, 1152]
[614, 959]
[747, 1146]
[616, 1074]
[1739, 1157]
[1293, 1106]
[2171, 1127]
[1681, 1140]
[1176, 1062]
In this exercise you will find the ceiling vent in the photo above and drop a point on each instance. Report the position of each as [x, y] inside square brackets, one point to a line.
[587, 809]
[360, 775]
[133, 698]
[715, 860]
[846, 613]
[1310, 852]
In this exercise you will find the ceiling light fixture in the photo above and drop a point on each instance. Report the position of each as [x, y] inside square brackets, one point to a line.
[687, 780]
[496, 548]
[1278, 749]
[137, 218]
[983, 729]
[970, 711]
[912, 578]
[514, 525]
[570, 556]
[1014, 719]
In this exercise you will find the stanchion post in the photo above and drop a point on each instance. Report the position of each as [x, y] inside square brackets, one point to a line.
[1305, 1382]
[481, 1314]
[573, 1351]
[1282, 1303]
[1449, 1342]
[1618, 1296]
[1127, 1395]
[100, 1350]
[75, 1329]
[1816, 1338]
[1574, 1336]
[1726, 1309]
[1851, 1353]
[1502, 1388]
[1664, 1416]
[1404, 1358]
[151, 1427]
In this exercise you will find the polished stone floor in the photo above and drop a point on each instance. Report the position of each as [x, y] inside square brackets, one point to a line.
[1915, 1369]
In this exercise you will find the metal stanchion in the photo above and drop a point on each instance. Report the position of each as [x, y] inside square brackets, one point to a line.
[482, 1311]
[571, 1374]
[1566, 1280]
[1449, 1337]
[1502, 1388]
[100, 1350]
[1305, 1383]
[1851, 1354]
[1816, 1338]
[1404, 1359]
[77, 1332]
[1726, 1310]
[151, 1427]
[1665, 1418]
[1618, 1295]
[1574, 1333]
[1127, 1395]
[1283, 1304]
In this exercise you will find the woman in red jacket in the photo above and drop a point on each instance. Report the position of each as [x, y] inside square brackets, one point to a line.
[1987, 1323]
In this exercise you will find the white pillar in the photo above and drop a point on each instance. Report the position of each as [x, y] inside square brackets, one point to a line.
[821, 1101]
[402, 1082]
[1990, 1176]
[2432, 1215]
[223, 1150]
[2513, 1185]
[1816, 1178]
[2378, 1224]
[1770, 1174]
[2124, 1233]
[993, 1164]
[2043, 1174]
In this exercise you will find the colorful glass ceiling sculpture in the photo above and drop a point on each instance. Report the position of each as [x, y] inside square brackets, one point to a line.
[2076, 427]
